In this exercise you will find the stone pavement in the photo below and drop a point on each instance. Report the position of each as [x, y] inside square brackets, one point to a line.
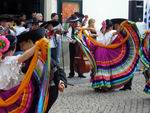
[81, 98]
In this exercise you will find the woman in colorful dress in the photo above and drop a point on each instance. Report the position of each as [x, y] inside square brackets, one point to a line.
[145, 58]
[17, 91]
[116, 56]
[10, 75]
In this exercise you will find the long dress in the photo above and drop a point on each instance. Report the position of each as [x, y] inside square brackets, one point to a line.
[145, 58]
[115, 66]
[10, 78]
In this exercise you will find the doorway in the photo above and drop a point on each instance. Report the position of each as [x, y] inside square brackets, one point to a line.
[67, 7]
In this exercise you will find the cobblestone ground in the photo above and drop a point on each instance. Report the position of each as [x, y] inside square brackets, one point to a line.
[81, 98]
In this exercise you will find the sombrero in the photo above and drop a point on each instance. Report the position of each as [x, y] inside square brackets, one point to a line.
[33, 35]
[54, 23]
[73, 18]
[79, 15]
[118, 20]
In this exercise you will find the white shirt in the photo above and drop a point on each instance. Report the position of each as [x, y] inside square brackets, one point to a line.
[106, 38]
[52, 42]
[19, 30]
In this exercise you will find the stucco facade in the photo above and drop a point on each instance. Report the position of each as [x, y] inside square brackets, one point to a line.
[98, 9]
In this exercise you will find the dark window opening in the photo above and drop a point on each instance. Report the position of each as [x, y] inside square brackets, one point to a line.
[21, 6]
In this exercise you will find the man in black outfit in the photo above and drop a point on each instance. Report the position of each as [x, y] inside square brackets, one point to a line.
[58, 77]
[73, 20]
[57, 80]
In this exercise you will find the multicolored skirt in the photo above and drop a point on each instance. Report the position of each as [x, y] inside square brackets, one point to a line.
[145, 58]
[116, 66]
[26, 103]
[145, 50]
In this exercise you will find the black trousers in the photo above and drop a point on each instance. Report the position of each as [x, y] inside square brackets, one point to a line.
[53, 95]
[54, 53]
[72, 52]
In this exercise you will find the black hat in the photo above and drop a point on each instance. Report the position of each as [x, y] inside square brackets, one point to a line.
[73, 18]
[33, 35]
[6, 17]
[79, 15]
[54, 23]
[24, 36]
[38, 34]
[117, 20]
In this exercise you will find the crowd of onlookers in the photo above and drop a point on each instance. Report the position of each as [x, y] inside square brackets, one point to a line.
[19, 23]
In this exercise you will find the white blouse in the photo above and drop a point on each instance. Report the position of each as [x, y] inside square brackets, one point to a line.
[106, 38]
[10, 72]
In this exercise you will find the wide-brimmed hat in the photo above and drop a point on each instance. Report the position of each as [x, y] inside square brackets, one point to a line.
[73, 18]
[54, 23]
[79, 15]
[38, 34]
[118, 20]
[33, 35]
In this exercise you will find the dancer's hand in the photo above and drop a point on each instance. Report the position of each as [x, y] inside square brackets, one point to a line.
[61, 86]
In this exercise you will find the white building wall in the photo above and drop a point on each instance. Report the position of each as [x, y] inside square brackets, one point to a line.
[50, 6]
[106, 9]
[97, 9]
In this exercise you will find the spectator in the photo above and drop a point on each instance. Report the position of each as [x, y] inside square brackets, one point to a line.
[54, 17]
[19, 27]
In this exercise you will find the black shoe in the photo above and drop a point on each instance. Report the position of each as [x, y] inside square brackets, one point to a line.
[70, 76]
[126, 88]
[81, 76]
[97, 89]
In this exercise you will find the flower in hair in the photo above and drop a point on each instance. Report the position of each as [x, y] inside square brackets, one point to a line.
[4, 44]
[104, 26]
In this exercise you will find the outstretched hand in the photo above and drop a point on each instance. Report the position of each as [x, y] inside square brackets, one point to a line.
[61, 86]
